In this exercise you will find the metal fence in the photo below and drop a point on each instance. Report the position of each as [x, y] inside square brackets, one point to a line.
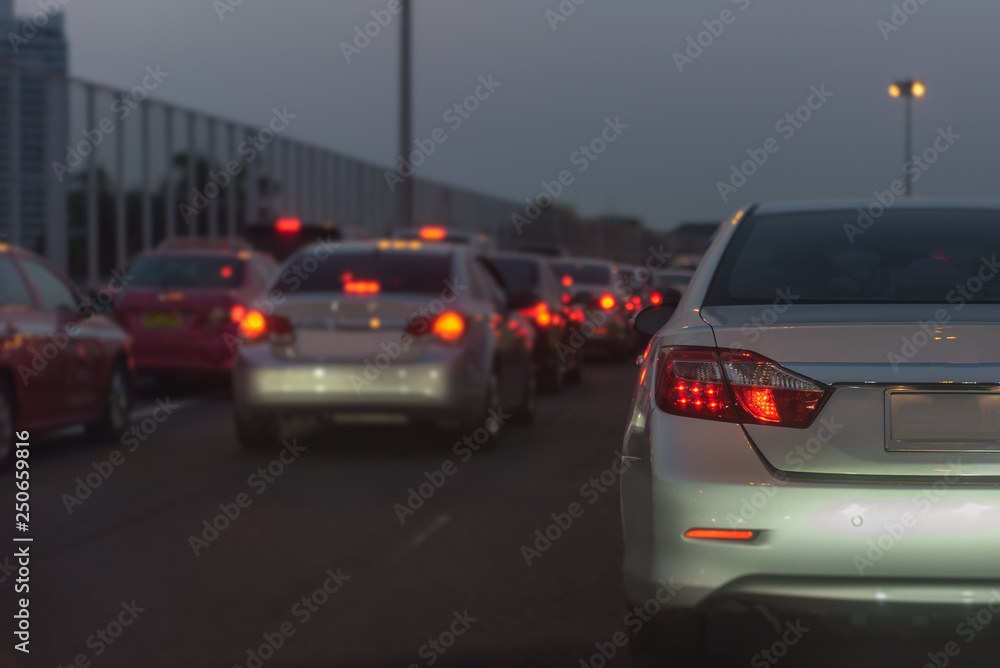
[95, 174]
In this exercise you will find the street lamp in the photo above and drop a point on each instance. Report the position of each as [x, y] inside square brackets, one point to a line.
[907, 89]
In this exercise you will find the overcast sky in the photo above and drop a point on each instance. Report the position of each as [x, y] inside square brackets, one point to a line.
[610, 58]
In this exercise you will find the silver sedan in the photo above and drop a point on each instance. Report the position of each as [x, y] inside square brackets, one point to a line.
[817, 424]
[387, 331]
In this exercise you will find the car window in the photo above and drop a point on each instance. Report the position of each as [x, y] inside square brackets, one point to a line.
[263, 271]
[367, 271]
[14, 291]
[186, 271]
[494, 291]
[517, 274]
[54, 294]
[591, 273]
[906, 256]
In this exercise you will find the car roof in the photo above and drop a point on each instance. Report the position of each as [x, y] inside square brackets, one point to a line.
[811, 206]
[425, 247]
[584, 260]
[516, 255]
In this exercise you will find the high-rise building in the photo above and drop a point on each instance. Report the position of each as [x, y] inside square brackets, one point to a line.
[33, 51]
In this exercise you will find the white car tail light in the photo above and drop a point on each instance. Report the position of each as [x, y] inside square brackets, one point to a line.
[734, 386]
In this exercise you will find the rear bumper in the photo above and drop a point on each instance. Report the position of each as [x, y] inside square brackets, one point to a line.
[182, 352]
[820, 545]
[446, 384]
[602, 329]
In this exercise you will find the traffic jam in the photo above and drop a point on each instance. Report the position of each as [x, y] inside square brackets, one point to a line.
[748, 487]
[433, 327]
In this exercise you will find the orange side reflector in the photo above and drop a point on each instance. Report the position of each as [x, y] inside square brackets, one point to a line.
[719, 534]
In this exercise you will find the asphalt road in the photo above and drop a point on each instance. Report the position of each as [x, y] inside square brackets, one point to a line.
[331, 507]
[120, 579]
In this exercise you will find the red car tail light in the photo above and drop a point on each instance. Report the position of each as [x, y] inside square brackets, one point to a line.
[607, 302]
[769, 392]
[236, 313]
[539, 313]
[734, 386]
[448, 327]
[255, 325]
[690, 383]
[288, 225]
[656, 299]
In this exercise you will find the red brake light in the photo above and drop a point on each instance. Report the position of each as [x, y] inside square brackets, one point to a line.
[254, 324]
[226, 272]
[566, 299]
[690, 383]
[449, 326]
[567, 280]
[656, 299]
[236, 313]
[362, 287]
[539, 313]
[607, 302]
[288, 225]
[433, 233]
[734, 386]
[770, 393]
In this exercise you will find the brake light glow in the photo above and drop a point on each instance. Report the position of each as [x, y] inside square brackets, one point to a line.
[433, 233]
[236, 313]
[734, 386]
[449, 326]
[254, 324]
[539, 313]
[288, 225]
[226, 272]
[720, 534]
[567, 280]
[607, 302]
[362, 287]
[656, 299]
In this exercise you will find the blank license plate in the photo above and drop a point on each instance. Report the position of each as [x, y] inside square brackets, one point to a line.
[161, 320]
[942, 421]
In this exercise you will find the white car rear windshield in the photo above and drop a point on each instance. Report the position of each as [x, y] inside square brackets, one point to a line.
[928, 256]
[370, 272]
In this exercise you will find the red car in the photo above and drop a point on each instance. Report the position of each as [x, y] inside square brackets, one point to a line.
[184, 301]
[59, 364]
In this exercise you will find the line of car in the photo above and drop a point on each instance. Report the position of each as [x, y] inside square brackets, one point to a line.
[432, 326]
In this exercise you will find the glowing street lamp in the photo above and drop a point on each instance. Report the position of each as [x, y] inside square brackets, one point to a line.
[907, 89]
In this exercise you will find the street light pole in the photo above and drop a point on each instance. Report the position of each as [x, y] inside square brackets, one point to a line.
[908, 90]
[405, 202]
[907, 144]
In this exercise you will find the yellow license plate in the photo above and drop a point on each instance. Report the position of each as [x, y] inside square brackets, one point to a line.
[161, 320]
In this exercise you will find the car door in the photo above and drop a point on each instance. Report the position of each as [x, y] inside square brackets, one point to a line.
[81, 355]
[514, 340]
[30, 351]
